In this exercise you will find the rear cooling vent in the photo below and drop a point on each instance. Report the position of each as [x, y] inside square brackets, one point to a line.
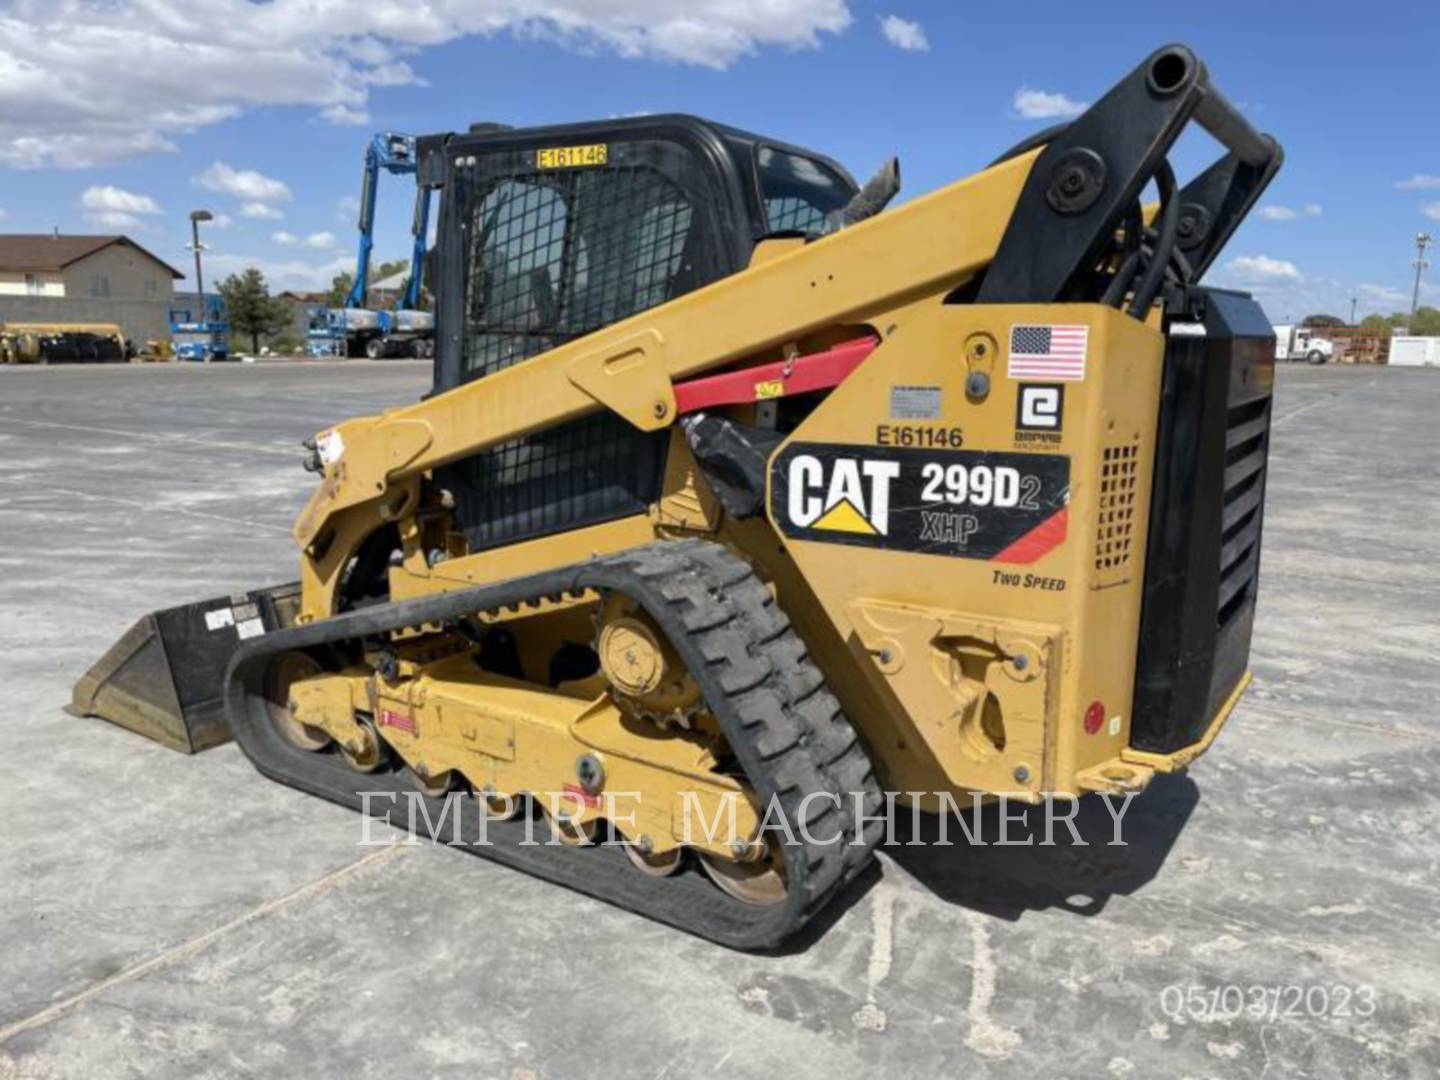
[1246, 434]
[1115, 524]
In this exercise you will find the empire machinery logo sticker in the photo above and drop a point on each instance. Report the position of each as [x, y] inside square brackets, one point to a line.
[1009, 507]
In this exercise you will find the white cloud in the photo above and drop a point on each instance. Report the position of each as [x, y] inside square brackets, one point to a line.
[1287, 299]
[1419, 182]
[320, 241]
[1041, 105]
[344, 115]
[260, 210]
[245, 184]
[904, 34]
[221, 221]
[1275, 212]
[1381, 296]
[111, 207]
[1431, 210]
[281, 273]
[3, 213]
[102, 198]
[113, 219]
[347, 209]
[60, 107]
[1252, 269]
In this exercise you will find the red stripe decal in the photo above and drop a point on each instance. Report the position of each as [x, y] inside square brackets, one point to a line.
[818, 371]
[1040, 540]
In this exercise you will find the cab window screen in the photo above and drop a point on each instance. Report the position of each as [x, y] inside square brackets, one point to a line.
[555, 255]
[799, 192]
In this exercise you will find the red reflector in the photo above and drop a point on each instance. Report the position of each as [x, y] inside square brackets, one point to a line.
[580, 795]
[1094, 717]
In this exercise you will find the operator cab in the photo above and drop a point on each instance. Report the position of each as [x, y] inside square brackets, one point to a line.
[550, 233]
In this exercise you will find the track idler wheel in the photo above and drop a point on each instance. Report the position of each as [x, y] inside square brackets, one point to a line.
[752, 879]
[500, 808]
[654, 863]
[433, 785]
[570, 831]
[284, 670]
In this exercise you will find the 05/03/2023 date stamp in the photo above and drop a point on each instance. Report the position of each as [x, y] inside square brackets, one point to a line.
[1266, 1003]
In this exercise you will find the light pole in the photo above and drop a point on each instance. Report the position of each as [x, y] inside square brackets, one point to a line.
[197, 216]
[1353, 301]
[1422, 241]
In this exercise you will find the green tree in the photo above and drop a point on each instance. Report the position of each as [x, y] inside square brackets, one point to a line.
[340, 286]
[1377, 323]
[1321, 320]
[250, 307]
[1425, 322]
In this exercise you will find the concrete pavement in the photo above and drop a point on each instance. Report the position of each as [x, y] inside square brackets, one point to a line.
[173, 916]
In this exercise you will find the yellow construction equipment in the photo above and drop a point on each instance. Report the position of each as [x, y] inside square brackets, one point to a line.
[742, 501]
[62, 342]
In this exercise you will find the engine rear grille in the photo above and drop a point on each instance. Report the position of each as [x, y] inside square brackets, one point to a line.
[1246, 442]
[1206, 517]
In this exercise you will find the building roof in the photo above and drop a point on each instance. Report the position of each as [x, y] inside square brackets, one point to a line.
[53, 252]
[393, 283]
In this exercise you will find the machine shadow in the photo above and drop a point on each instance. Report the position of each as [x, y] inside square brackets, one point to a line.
[1008, 880]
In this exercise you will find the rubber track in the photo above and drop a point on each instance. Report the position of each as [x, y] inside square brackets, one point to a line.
[784, 726]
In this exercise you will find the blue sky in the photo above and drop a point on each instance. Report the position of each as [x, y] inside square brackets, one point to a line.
[118, 117]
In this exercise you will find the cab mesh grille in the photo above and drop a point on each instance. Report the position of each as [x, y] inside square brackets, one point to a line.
[554, 255]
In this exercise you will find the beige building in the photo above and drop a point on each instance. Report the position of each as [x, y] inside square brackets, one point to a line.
[55, 278]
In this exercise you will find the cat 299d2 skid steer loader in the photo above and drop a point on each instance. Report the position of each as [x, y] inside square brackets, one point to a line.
[741, 500]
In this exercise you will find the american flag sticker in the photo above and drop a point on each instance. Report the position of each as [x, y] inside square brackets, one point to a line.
[1052, 353]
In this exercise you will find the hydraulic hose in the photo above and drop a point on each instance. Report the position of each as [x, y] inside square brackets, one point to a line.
[1166, 226]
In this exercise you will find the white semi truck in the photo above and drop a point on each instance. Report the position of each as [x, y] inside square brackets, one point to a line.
[1300, 343]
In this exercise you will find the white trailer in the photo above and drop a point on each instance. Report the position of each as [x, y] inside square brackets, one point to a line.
[1415, 351]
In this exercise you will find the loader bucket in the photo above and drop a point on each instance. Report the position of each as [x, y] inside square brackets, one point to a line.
[165, 677]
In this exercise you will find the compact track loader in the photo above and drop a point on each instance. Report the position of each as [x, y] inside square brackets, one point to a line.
[741, 501]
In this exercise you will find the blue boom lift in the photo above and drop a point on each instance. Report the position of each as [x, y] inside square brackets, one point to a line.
[355, 329]
[201, 335]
